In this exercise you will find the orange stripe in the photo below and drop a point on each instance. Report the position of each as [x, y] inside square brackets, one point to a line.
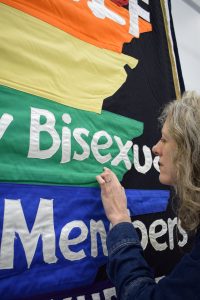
[77, 19]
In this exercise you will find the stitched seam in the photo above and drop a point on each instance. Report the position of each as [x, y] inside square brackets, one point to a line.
[116, 248]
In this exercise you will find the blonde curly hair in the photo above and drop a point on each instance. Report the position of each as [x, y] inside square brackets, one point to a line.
[183, 116]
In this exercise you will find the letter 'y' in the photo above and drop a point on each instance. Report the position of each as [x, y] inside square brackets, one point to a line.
[5, 121]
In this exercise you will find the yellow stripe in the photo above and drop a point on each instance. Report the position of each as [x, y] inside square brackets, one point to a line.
[37, 58]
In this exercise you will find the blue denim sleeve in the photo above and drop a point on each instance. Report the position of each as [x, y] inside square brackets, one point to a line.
[126, 267]
[133, 278]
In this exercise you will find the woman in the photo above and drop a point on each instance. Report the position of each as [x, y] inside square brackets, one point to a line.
[179, 161]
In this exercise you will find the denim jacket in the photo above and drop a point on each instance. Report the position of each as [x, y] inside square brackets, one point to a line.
[133, 278]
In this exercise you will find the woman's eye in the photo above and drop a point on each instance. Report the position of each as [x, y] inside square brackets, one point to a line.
[163, 140]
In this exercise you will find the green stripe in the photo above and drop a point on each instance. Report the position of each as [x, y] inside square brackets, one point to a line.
[16, 142]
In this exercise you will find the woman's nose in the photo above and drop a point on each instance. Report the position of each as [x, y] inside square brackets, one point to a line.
[155, 149]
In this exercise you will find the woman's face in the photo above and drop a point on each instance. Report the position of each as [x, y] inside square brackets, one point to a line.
[165, 149]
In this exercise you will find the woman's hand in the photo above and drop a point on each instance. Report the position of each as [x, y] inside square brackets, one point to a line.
[113, 197]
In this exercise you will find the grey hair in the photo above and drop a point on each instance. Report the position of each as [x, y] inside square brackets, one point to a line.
[183, 117]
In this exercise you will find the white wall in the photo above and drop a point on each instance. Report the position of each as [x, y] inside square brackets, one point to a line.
[187, 29]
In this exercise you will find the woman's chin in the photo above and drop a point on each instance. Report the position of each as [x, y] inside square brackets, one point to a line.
[165, 180]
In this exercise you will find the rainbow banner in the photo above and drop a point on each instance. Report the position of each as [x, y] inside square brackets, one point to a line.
[81, 86]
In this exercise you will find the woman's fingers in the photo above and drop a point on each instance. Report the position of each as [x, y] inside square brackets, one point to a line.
[113, 197]
[109, 176]
[100, 180]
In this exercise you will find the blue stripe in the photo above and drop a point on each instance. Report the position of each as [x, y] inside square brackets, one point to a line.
[69, 204]
[147, 201]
